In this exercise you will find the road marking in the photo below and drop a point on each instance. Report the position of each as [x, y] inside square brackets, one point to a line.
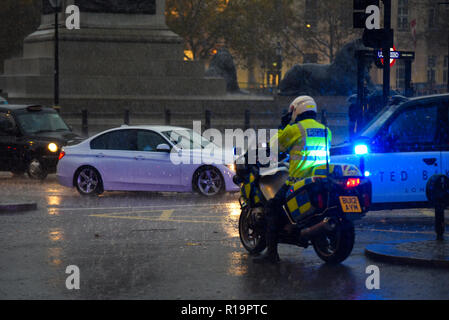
[125, 212]
[166, 214]
[394, 231]
[430, 213]
[144, 207]
[427, 212]
[156, 219]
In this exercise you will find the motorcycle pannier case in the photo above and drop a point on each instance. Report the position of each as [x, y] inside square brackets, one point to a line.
[298, 203]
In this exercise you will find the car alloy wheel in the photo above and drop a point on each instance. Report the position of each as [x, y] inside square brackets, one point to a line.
[36, 170]
[88, 181]
[209, 181]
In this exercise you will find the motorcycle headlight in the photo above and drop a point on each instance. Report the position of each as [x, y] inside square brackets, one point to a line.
[53, 147]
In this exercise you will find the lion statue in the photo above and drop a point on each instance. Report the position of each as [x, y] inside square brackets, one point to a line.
[222, 65]
[338, 78]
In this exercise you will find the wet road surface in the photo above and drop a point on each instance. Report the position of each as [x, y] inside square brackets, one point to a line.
[138, 245]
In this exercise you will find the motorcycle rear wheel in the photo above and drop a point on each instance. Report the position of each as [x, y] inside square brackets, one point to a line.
[335, 246]
[253, 241]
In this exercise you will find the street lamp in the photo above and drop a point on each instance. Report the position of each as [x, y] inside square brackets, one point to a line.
[279, 59]
[56, 4]
[447, 3]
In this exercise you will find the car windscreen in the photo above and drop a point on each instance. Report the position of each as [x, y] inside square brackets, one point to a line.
[373, 127]
[36, 122]
[187, 139]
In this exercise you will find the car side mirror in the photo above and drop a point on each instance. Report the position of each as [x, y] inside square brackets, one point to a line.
[163, 148]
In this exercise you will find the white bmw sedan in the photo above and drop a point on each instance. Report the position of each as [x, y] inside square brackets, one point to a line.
[140, 158]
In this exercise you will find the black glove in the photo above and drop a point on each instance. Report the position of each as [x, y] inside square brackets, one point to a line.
[285, 120]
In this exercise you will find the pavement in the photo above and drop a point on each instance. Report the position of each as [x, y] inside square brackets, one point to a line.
[143, 245]
[431, 253]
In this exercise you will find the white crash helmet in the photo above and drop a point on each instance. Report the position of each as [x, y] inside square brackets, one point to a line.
[302, 104]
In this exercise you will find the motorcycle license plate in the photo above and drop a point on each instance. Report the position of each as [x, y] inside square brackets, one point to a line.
[350, 205]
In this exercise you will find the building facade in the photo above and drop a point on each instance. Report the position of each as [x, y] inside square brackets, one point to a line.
[422, 27]
[419, 25]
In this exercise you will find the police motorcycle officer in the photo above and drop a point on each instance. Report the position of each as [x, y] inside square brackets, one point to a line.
[303, 138]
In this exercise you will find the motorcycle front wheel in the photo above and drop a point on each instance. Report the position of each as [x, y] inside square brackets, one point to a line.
[252, 239]
[335, 246]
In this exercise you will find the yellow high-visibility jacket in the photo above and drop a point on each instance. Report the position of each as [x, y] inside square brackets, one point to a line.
[306, 143]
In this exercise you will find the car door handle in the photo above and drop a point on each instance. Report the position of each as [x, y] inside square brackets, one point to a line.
[139, 158]
[100, 155]
[430, 161]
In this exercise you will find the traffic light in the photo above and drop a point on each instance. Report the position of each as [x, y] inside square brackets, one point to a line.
[378, 63]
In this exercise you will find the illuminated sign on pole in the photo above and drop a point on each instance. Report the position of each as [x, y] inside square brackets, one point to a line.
[393, 56]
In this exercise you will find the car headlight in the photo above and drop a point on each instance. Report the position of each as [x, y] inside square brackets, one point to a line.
[53, 147]
[231, 167]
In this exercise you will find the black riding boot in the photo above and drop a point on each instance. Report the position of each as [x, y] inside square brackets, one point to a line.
[271, 256]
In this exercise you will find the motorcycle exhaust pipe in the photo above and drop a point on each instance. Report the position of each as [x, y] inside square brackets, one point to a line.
[328, 224]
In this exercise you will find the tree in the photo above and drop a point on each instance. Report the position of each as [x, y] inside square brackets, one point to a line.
[257, 32]
[255, 25]
[324, 26]
[247, 27]
[199, 22]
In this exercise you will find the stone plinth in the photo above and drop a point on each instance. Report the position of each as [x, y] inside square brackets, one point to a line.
[128, 55]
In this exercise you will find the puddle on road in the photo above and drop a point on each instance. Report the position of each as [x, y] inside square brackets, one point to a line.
[237, 264]
[56, 235]
[54, 200]
[54, 255]
[232, 214]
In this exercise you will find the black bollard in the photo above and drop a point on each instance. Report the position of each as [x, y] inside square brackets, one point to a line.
[208, 119]
[84, 123]
[126, 117]
[439, 221]
[247, 119]
[167, 117]
[437, 192]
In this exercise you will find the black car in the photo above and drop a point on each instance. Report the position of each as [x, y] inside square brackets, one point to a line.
[31, 137]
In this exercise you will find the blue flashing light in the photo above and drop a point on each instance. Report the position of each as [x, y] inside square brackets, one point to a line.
[367, 173]
[361, 149]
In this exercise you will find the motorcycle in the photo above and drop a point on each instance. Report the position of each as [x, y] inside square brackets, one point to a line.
[319, 210]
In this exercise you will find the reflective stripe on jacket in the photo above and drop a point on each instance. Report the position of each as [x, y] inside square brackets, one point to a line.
[305, 141]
